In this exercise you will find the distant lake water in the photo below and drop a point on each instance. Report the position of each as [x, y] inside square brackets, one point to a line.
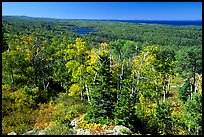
[174, 23]
[84, 30]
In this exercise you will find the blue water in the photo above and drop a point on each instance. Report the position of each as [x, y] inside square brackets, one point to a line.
[164, 22]
[84, 30]
[174, 23]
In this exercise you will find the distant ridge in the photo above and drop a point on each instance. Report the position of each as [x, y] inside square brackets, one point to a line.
[162, 22]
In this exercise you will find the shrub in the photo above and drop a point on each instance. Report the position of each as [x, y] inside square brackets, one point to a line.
[67, 108]
[17, 112]
[59, 129]
[45, 116]
[124, 110]
[184, 91]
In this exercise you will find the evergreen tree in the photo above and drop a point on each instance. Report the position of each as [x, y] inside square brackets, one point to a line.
[164, 119]
[185, 91]
[102, 99]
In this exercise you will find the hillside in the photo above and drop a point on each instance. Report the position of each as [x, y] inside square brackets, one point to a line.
[108, 74]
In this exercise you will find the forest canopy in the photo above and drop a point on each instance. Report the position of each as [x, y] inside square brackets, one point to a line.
[145, 77]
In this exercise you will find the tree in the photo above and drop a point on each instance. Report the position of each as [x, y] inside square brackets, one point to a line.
[102, 98]
[163, 114]
[165, 64]
[185, 91]
[124, 110]
[189, 63]
[193, 114]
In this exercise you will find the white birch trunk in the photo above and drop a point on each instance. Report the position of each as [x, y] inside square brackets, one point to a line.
[88, 94]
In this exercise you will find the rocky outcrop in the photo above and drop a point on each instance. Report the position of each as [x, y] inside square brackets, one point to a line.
[37, 132]
[122, 130]
[74, 123]
[81, 131]
[117, 130]
[12, 133]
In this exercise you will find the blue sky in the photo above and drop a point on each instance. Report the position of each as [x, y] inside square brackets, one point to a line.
[107, 10]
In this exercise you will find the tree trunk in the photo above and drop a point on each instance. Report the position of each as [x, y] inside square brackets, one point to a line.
[36, 78]
[118, 87]
[88, 94]
[168, 87]
[194, 81]
[164, 89]
[121, 79]
[82, 98]
[66, 91]
[191, 89]
[164, 86]
[95, 79]
[120, 82]
[35, 71]
[44, 84]
[47, 84]
[189, 129]
[156, 86]
[196, 87]
[110, 61]
[133, 91]
[12, 78]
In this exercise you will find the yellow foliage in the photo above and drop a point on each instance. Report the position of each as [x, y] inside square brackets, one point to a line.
[19, 49]
[104, 49]
[28, 56]
[6, 87]
[104, 45]
[92, 57]
[71, 64]
[84, 124]
[90, 70]
[80, 45]
[74, 89]
[45, 116]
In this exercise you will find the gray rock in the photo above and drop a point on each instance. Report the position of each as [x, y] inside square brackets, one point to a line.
[108, 132]
[12, 133]
[74, 122]
[122, 130]
[31, 132]
[42, 132]
[104, 127]
[83, 131]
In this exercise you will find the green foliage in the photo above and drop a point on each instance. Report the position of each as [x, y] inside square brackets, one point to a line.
[185, 91]
[102, 98]
[67, 108]
[124, 111]
[17, 111]
[59, 129]
[44, 118]
[43, 57]
[193, 114]
[189, 61]
[164, 119]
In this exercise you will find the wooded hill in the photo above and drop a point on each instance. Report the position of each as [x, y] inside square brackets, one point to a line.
[145, 77]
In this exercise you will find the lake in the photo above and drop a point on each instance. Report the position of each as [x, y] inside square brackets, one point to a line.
[165, 22]
[84, 30]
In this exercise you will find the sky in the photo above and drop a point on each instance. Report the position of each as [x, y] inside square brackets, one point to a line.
[106, 10]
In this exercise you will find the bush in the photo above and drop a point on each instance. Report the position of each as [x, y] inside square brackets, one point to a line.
[184, 91]
[124, 110]
[67, 108]
[17, 112]
[45, 116]
[59, 129]
[163, 114]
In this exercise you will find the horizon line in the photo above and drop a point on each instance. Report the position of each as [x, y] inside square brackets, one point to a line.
[106, 19]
